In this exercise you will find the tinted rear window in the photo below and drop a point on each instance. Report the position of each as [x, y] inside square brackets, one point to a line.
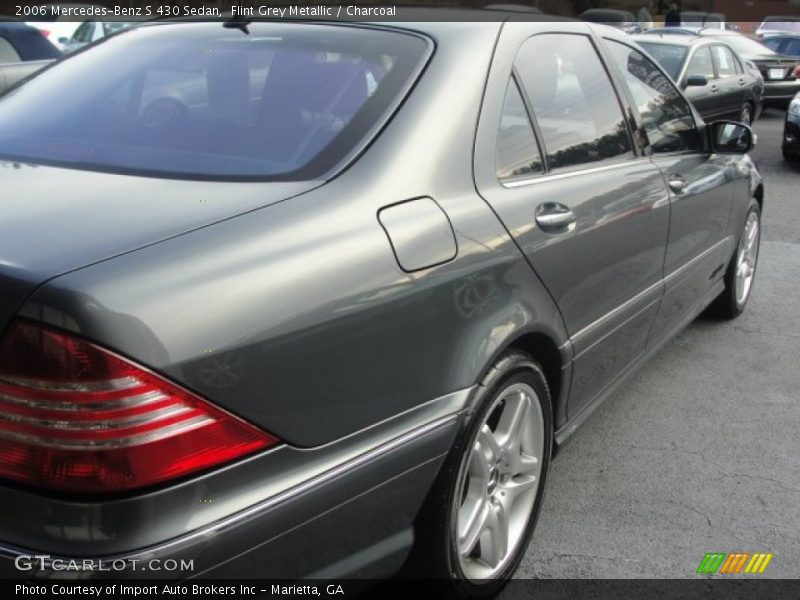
[282, 101]
[669, 56]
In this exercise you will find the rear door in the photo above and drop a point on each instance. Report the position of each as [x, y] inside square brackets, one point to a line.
[705, 98]
[701, 188]
[556, 161]
[730, 80]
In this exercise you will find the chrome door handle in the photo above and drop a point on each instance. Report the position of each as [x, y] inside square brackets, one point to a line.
[554, 217]
[677, 183]
[714, 89]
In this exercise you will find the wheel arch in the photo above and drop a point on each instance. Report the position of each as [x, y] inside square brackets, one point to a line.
[758, 194]
[554, 359]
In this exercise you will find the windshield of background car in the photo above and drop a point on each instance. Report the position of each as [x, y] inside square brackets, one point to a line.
[746, 46]
[669, 56]
[781, 26]
[278, 101]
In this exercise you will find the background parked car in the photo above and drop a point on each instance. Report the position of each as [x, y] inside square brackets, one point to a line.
[791, 131]
[778, 71]
[711, 20]
[92, 31]
[620, 19]
[786, 44]
[711, 75]
[23, 51]
[20, 42]
[57, 28]
[777, 24]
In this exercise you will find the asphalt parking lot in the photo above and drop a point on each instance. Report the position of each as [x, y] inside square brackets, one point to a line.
[700, 451]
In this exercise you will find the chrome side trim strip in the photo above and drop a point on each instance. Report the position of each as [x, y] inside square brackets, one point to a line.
[573, 172]
[442, 411]
[304, 487]
[599, 322]
[688, 265]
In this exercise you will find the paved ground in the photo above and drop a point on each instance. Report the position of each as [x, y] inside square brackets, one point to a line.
[700, 451]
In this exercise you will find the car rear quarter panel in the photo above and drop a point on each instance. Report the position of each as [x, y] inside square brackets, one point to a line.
[297, 316]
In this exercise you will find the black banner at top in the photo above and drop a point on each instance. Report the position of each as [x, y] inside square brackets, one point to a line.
[740, 14]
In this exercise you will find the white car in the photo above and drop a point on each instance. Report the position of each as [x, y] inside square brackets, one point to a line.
[777, 25]
[60, 28]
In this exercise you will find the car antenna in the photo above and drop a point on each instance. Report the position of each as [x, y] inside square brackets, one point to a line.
[238, 22]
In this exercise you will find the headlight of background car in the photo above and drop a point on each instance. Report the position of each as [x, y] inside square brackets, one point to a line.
[794, 110]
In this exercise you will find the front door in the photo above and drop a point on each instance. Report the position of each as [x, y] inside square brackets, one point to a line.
[700, 188]
[588, 211]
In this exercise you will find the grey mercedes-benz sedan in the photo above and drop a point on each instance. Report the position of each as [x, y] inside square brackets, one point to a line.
[286, 299]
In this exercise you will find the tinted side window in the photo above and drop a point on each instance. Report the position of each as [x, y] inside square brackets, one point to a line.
[701, 63]
[726, 63]
[84, 32]
[517, 152]
[573, 100]
[665, 113]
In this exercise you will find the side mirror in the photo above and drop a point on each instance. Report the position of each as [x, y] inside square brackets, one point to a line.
[696, 81]
[729, 137]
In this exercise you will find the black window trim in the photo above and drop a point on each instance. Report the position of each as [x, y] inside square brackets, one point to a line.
[514, 80]
[637, 115]
[622, 101]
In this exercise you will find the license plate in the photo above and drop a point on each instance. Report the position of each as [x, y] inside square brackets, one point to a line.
[777, 73]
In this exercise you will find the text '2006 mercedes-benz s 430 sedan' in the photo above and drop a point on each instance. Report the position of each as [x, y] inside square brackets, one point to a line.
[319, 300]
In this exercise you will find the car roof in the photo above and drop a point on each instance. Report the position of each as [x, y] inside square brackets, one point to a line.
[773, 19]
[606, 12]
[416, 18]
[673, 39]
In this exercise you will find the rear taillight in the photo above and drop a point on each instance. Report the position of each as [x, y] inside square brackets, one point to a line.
[78, 418]
[45, 32]
[796, 71]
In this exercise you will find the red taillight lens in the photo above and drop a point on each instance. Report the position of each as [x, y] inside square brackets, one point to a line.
[796, 72]
[45, 32]
[78, 418]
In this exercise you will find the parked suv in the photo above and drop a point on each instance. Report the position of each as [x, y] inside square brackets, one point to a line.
[334, 325]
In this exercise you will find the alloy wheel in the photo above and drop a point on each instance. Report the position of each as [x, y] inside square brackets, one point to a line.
[498, 483]
[747, 257]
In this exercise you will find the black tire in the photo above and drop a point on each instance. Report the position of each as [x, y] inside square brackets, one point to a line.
[726, 305]
[790, 156]
[434, 555]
